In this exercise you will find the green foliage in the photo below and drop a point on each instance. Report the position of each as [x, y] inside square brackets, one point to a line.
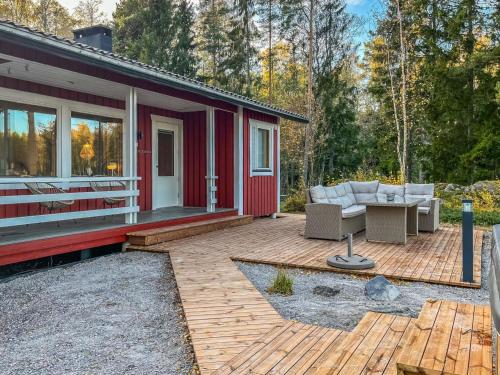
[282, 284]
[452, 67]
[295, 202]
[157, 32]
[482, 218]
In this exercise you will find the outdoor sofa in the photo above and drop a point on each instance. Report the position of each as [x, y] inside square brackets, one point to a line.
[334, 211]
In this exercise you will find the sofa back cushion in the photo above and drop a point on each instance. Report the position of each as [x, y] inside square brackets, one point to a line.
[364, 191]
[318, 194]
[344, 195]
[425, 191]
[397, 190]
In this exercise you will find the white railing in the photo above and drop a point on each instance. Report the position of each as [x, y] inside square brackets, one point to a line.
[129, 210]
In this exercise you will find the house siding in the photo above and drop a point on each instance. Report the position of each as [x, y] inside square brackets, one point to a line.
[259, 192]
[195, 159]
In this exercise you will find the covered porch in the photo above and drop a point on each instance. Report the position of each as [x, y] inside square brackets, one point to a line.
[163, 156]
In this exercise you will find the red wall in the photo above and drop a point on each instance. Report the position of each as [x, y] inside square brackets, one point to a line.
[259, 192]
[195, 161]
[224, 157]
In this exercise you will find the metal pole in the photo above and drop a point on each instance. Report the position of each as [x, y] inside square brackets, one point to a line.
[467, 241]
[349, 245]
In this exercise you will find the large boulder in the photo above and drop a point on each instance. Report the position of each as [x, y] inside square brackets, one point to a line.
[380, 289]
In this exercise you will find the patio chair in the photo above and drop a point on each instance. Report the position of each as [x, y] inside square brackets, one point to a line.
[428, 211]
[44, 188]
[98, 186]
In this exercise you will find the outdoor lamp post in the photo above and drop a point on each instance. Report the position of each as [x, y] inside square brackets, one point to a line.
[467, 241]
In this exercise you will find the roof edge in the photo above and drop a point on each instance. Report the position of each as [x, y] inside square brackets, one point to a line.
[94, 56]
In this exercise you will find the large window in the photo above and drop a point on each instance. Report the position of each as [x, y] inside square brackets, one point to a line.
[96, 145]
[261, 148]
[27, 140]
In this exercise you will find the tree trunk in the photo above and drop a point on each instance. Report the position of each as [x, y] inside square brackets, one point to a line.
[402, 58]
[310, 98]
[396, 118]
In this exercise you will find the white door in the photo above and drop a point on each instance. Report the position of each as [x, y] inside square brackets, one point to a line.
[166, 164]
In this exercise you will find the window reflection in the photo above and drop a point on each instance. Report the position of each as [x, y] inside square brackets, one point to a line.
[96, 145]
[27, 140]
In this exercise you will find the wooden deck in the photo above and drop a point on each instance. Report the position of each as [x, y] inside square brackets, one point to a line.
[450, 338]
[234, 329]
[428, 257]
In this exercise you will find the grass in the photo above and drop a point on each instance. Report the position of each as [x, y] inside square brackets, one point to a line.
[482, 218]
[282, 284]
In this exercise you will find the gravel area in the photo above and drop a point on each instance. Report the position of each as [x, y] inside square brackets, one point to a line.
[116, 314]
[345, 310]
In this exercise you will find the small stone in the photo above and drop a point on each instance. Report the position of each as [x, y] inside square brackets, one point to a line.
[380, 289]
[325, 291]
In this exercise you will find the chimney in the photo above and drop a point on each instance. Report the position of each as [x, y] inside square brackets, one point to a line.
[98, 36]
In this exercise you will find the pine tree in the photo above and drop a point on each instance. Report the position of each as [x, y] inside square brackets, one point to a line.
[242, 50]
[160, 33]
[183, 60]
[130, 25]
[213, 41]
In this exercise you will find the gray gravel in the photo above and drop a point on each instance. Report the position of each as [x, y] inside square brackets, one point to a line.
[345, 310]
[116, 314]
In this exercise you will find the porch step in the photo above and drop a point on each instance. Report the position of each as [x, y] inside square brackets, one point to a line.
[176, 232]
[449, 338]
[371, 348]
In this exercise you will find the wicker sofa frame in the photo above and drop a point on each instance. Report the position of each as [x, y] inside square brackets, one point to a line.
[325, 221]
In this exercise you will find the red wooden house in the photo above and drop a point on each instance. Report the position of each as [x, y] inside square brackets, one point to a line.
[76, 116]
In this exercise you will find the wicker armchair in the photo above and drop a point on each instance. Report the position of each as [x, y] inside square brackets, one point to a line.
[39, 188]
[107, 186]
[428, 220]
[325, 221]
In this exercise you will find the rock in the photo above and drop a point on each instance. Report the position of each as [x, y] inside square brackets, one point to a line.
[379, 289]
[326, 291]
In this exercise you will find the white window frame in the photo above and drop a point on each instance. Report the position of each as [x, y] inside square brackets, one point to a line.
[63, 109]
[89, 109]
[254, 126]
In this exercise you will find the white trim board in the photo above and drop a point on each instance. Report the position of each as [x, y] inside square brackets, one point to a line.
[256, 124]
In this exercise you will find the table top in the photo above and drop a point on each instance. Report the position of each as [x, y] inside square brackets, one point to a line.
[397, 202]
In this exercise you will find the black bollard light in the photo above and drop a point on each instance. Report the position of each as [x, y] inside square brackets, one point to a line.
[467, 241]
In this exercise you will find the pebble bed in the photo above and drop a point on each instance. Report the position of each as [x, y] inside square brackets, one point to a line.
[117, 314]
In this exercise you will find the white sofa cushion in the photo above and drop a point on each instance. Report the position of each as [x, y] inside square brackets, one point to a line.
[331, 193]
[318, 194]
[364, 191]
[391, 189]
[425, 191]
[354, 210]
[343, 195]
[349, 192]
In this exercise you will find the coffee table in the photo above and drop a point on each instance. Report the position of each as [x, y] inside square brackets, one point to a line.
[391, 221]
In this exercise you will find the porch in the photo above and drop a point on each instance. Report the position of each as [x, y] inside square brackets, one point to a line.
[24, 242]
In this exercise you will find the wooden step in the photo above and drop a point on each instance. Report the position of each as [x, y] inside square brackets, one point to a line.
[158, 235]
[449, 338]
[289, 348]
[371, 348]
